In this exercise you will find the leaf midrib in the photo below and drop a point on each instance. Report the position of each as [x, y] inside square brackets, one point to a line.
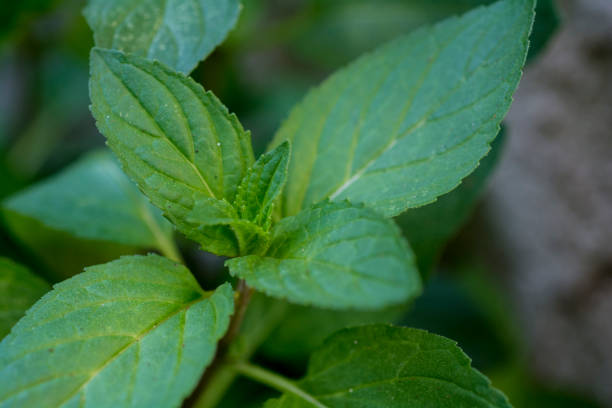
[347, 183]
[135, 340]
[123, 349]
[164, 136]
[359, 173]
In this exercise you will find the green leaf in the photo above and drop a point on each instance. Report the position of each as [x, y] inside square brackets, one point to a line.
[429, 228]
[334, 255]
[216, 225]
[111, 335]
[389, 367]
[93, 199]
[179, 143]
[179, 33]
[19, 289]
[262, 185]
[405, 124]
[251, 216]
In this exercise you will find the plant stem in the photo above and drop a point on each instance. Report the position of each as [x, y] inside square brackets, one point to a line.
[169, 249]
[165, 244]
[275, 381]
[220, 376]
[217, 375]
[244, 297]
[217, 379]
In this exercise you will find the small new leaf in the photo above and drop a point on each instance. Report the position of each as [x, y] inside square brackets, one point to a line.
[93, 199]
[138, 331]
[405, 124]
[334, 255]
[179, 33]
[217, 226]
[19, 289]
[391, 367]
[262, 186]
[178, 142]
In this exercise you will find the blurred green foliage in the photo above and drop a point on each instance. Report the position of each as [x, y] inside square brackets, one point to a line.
[17, 13]
[278, 50]
[55, 254]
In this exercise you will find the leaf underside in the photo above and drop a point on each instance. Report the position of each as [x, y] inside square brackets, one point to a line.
[110, 335]
[385, 366]
[179, 33]
[93, 199]
[334, 255]
[403, 125]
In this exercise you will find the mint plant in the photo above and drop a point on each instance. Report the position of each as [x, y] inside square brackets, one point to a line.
[309, 222]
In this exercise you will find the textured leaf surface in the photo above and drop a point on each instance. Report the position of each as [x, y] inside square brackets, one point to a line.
[385, 366]
[262, 185]
[19, 289]
[178, 142]
[93, 199]
[403, 125]
[429, 228]
[136, 332]
[179, 33]
[334, 255]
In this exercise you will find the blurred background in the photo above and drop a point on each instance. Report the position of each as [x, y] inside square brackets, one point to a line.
[525, 284]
